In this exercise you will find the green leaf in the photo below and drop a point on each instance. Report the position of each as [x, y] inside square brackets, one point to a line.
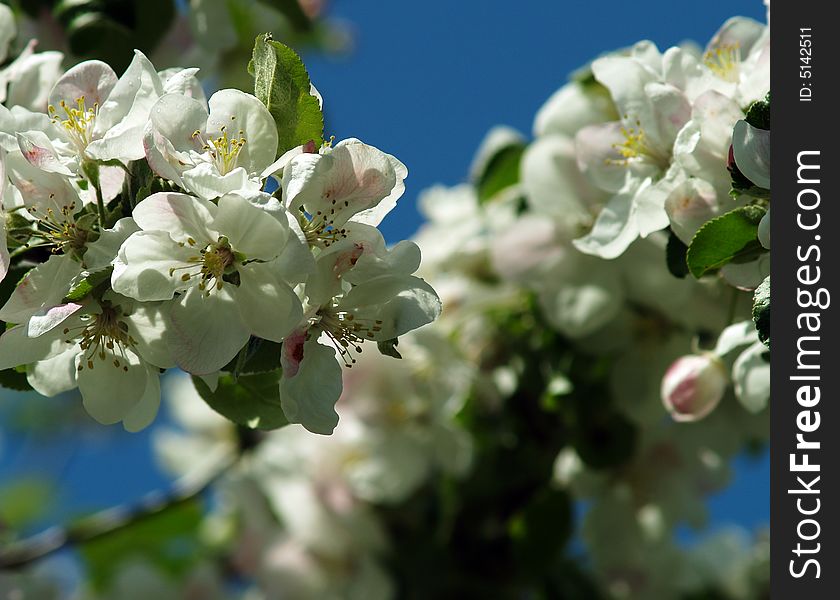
[168, 539]
[389, 348]
[87, 284]
[250, 400]
[282, 84]
[12, 379]
[729, 237]
[761, 311]
[758, 114]
[675, 253]
[501, 172]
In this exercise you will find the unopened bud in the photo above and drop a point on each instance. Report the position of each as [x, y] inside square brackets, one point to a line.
[693, 386]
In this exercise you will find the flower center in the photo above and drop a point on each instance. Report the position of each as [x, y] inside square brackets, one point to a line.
[636, 147]
[59, 229]
[346, 332]
[212, 265]
[725, 62]
[320, 229]
[79, 121]
[103, 336]
[223, 150]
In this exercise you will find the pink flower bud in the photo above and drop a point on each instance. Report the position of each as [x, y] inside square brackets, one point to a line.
[693, 386]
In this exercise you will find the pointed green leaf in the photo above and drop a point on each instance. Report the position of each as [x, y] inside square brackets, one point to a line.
[732, 236]
[282, 84]
[250, 400]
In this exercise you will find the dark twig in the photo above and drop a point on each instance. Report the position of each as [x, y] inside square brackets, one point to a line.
[23, 552]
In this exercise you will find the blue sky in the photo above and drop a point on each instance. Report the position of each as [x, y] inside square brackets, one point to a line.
[425, 82]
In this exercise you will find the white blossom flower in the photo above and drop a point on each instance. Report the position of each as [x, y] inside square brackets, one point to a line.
[99, 346]
[350, 181]
[218, 266]
[211, 153]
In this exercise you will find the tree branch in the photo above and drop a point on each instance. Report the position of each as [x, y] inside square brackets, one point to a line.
[23, 552]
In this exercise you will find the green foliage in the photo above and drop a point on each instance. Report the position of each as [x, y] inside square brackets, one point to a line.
[282, 84]
[500, 172]
[110, 30]
[83, 287]
[252, 401]
[12, 379]
[761, 311]
[168, 538]
[675, 253]
[730, 237]
[758, 113]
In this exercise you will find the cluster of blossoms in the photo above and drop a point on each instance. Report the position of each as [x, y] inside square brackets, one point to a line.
[601, 344]
[136, 212]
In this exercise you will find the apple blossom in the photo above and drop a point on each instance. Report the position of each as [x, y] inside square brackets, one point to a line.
[220, 260]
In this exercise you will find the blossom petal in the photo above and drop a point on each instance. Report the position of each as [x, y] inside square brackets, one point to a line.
[181, 215]
[249, 229]
[398, 304]
[146, 409]
[41, 288]
[205, 181]
[751, 147]
[109, 391]
[268, 307]
[54, 375]
[92, 80]
[47, 319]
[242, 115]
[102, 253]
[150, 266]
[17, 348]
[206, 331]
[751, 373]
[614, 230]
[147, 325]
[309, 396]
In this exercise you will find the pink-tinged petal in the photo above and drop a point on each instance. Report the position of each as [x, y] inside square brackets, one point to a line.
[38, 151]
[42, 190]
[693, 386]
[49, 318]
[598, 158]
[43, 287]
[291, 353]
[310, 395]
[182, 216]
[689, 206]
[92, 80]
